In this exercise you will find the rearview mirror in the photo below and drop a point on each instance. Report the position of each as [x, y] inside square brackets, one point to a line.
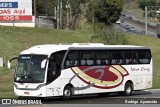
[9, 65]
[43, 63]
[9, 62]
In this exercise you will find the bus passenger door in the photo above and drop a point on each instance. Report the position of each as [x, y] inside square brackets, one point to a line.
[53, 87]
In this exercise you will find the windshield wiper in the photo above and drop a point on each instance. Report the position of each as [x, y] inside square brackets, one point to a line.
[26, 78]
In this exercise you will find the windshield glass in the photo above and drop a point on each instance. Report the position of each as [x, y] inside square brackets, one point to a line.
[29, 69]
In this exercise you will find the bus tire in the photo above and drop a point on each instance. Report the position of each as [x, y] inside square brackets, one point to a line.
[128, 89]
[67, 93]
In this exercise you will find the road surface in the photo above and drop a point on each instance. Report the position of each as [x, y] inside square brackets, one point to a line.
[147, 97]
[126, 27]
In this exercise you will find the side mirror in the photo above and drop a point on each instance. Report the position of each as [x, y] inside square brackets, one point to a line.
[1, 62]
[43, 63]
[9, 62]
[9, 65]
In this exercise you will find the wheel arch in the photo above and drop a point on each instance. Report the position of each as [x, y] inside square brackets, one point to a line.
[70, 85]
[131, 82]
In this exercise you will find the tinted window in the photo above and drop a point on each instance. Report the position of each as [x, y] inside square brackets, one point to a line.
[144, 56]
[130, 57]
[117, 57]
[54, 66]
[106, 57]
[87, 58]
[102, 57]
[72, 59]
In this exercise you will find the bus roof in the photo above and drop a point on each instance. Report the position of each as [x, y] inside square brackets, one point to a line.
[48, 49]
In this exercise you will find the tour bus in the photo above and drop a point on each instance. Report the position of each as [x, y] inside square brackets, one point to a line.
[82, 68]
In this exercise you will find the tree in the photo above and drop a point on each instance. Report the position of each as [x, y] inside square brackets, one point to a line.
[143, 3]
[40, 7]
[75, 11]
[46, 7]
[108, 11]
[50, 7]
[91, 9]
[84, 8]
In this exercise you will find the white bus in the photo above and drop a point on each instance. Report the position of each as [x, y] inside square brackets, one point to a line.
[79, 68]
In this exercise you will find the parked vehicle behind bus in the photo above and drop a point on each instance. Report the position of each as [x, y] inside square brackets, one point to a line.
[74, 69]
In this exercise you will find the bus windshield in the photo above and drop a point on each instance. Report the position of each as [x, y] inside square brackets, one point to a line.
[29, 69]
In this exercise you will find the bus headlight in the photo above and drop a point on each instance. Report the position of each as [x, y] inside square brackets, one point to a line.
[39, 86]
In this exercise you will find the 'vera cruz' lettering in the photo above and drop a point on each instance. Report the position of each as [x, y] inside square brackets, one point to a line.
[134, 69]
[140, 69]
[145, 69]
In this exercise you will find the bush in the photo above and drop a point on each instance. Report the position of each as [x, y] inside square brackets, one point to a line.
[109, 35]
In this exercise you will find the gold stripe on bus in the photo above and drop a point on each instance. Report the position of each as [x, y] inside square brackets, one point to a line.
[100, 82]
[121, 69]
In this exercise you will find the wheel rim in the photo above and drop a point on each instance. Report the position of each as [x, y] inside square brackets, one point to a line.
[67, 93]
[128, 89]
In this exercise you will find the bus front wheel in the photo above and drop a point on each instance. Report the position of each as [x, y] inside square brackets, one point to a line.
[67, 93]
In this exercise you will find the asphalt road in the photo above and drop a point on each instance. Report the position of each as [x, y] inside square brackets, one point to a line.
[136, 30]
[147, 97]
[133, 16]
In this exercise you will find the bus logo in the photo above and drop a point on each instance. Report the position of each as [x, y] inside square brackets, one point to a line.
[104, 77]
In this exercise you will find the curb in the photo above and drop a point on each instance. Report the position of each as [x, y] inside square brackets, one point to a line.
[152, 90]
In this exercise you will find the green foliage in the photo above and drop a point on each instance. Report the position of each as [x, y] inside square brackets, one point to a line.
[40, 7]
[75, 5]
[143, 3]
[108, 11]
[50, 7]
[45, 7]
[91, 9]
[75, 12]
[109, 35]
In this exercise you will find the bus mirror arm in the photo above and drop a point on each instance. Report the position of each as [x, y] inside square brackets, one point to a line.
[9, 62]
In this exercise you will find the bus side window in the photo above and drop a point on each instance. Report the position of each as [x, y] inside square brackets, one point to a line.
[87, 58]
[144, 57]
[72, 59]
[117, 57]
[130, 57]
[102, 57]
